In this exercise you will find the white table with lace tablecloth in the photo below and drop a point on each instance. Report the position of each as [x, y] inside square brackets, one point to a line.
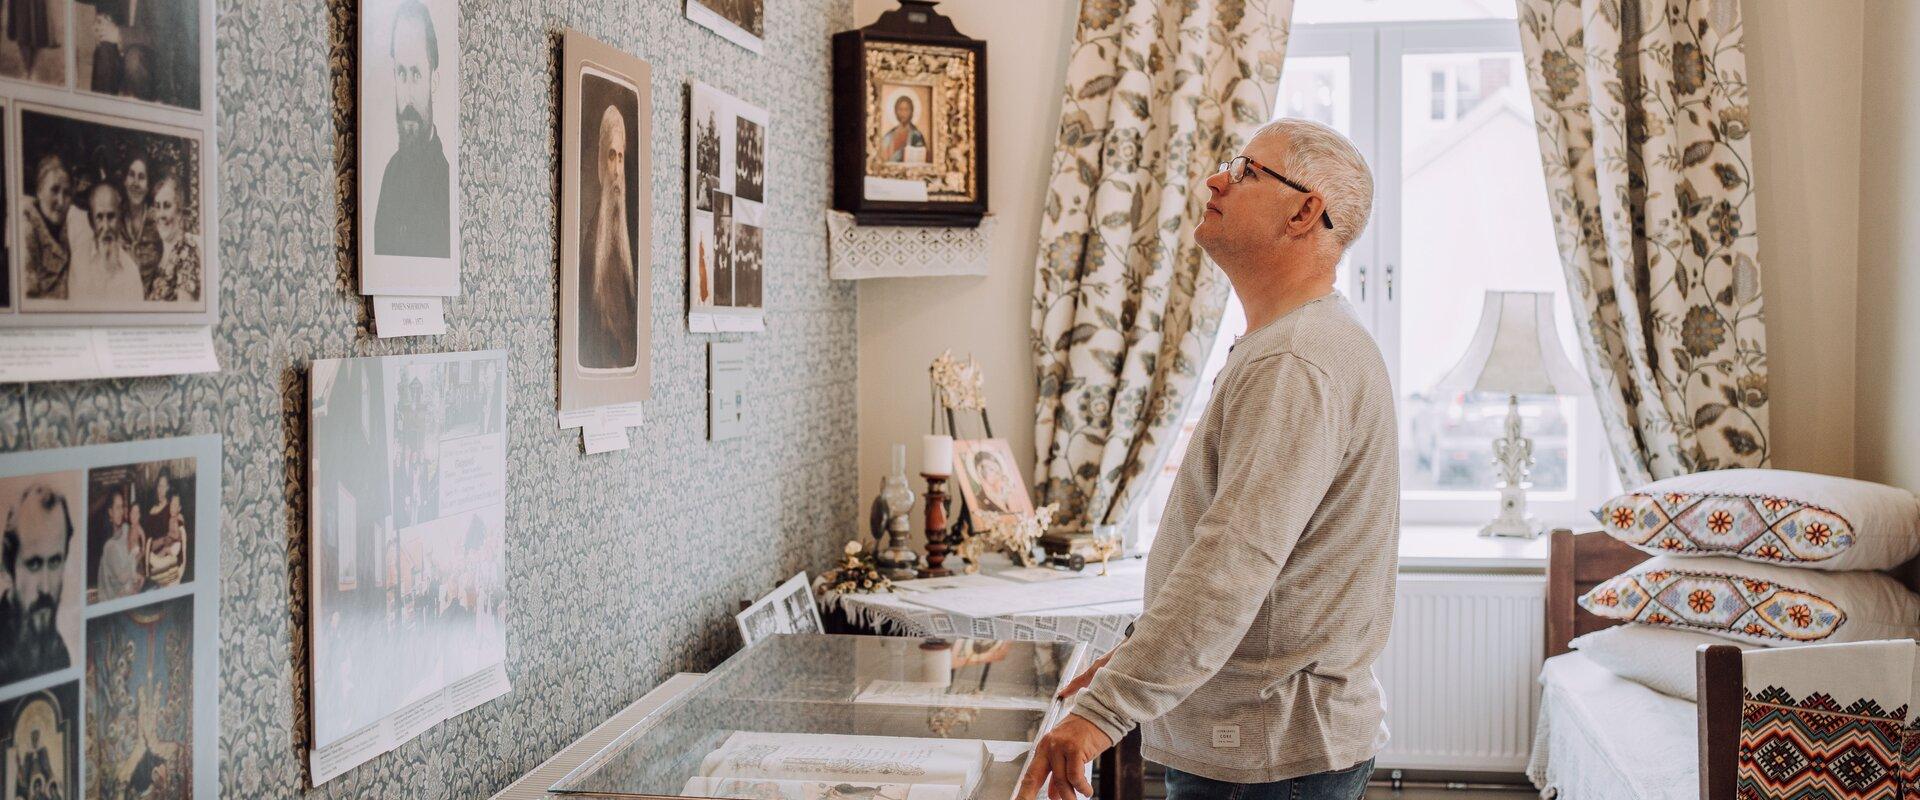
[1031, 604]
[1009, 603]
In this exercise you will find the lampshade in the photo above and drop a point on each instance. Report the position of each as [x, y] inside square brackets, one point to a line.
[1515, 351]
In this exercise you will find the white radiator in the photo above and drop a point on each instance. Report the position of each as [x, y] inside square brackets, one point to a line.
[1459, 671]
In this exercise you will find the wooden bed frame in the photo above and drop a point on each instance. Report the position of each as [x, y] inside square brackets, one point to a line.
[1576, 563]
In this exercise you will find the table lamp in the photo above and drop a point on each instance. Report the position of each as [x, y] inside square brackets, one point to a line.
[1516, 351]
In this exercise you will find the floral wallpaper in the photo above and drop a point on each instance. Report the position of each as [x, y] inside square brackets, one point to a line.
[1645, 137]
[624, 567]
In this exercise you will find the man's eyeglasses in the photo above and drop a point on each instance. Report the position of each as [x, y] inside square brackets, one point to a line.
[1237, 170]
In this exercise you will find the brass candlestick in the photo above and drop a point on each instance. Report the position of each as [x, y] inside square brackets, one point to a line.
[937, 546]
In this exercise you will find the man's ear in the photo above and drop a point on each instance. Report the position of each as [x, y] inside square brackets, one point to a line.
[1307, 216]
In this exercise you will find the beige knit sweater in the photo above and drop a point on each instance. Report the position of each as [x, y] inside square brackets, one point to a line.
[1270, 587]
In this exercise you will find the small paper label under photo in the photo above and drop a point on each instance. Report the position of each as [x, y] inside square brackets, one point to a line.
[408, 316]
[622, 415]
[604, 440]
[580, 418]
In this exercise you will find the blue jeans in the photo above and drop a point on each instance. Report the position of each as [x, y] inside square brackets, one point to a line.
[1347, 784]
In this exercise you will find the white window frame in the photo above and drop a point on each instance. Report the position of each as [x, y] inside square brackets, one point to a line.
[1375, 52]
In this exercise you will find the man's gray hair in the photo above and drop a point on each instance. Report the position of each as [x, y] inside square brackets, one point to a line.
[1325, 161]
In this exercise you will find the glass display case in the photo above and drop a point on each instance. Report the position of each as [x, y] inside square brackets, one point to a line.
[811, 717]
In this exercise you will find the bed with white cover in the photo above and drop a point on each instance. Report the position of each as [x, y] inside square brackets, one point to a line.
[1600, 736]
[1603, 737]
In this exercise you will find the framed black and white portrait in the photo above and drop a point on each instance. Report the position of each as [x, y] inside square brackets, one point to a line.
[409, 147]
[109, 215]
[742, 22]
[145, 50]
[606, 240]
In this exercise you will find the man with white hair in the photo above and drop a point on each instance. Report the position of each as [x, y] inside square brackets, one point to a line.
[1270, 589]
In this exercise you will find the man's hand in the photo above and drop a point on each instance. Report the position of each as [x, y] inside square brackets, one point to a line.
[1063, 753]
[1081, 681]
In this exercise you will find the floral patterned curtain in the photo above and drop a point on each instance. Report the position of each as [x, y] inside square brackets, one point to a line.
[1641, 107]
[1158, 93]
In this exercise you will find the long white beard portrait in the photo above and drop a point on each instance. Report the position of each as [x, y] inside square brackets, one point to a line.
[606, 234]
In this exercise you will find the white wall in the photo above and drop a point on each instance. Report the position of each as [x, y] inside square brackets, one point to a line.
[1889, 283]
[905, 323]
[1804, 78]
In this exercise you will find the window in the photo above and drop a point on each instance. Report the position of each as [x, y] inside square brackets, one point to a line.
[1433, 93]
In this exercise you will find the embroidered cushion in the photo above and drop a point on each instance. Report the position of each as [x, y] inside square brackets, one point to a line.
[1657, 657]
[1758, 603]
[1770, 516]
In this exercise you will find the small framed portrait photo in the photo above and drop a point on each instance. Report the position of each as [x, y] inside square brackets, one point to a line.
[910, 116]
[990, 482]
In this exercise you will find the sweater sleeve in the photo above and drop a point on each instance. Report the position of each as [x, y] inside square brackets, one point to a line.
[1280, 447]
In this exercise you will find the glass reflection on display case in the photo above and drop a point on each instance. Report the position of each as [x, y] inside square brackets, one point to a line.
[812, 717]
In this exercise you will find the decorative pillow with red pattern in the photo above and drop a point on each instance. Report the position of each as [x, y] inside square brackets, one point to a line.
[1770, 516]
[1758, 603]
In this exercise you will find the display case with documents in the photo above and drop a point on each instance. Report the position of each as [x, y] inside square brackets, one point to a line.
[811, 717]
